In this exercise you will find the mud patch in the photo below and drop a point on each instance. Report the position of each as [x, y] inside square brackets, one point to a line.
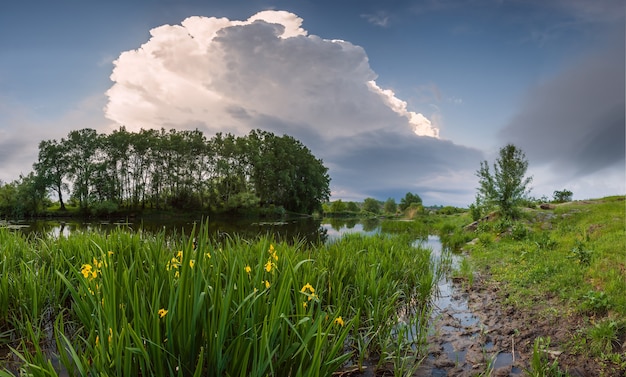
[461, 342]
[475, 333]
[501, 341]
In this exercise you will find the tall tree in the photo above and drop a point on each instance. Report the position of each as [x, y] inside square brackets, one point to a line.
[390, 205]
[83, 147]
[371, 205]
[52, 167]
[508, 185]
[286, 173]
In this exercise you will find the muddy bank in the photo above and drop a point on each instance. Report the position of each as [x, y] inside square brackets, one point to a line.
[491, 336]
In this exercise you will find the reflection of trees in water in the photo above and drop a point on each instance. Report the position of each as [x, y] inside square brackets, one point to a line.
[337, 222]
[370, 225]
[308, 230]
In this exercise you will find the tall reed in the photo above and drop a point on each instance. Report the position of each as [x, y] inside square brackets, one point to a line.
[128, 304]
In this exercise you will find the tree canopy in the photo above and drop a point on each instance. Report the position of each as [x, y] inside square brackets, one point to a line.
[507, 186]
[408, 200]
[182, 170]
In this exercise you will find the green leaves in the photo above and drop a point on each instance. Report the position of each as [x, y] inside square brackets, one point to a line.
[130, 305]
[507, 186]
[176, 169]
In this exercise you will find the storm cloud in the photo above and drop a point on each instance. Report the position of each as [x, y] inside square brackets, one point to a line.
[266, 72]
[574, 125]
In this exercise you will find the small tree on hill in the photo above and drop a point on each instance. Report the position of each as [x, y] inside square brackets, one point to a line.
[508, 184]
[562, 196]
[408, 200]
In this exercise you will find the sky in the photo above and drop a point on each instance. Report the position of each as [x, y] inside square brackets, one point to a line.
[393, 96]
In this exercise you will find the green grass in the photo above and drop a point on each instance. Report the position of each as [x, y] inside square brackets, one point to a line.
[575, 254]
[132, 304]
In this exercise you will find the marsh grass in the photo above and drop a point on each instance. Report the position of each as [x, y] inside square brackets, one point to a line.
[540, 365]
[131, 304]
[465, 272]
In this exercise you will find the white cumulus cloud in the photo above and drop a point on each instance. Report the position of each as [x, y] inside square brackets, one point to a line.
[267, 72]
[222, 75]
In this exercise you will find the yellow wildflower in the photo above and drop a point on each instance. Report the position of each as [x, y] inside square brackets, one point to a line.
[312, 296]
[191, 263]
[267, 283]
[86, 270]
[339, 321]
[268, 266]
[110, 253]
[177, 274]
[304, 305]
[97, 340]
[309, 287]
[248, 269]
[208, 255]
[273, 253]
[179, 255]
[162, 312]
[110, 334]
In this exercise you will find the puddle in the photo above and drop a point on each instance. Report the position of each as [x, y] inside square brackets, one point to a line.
[457, 356]
[460, 344]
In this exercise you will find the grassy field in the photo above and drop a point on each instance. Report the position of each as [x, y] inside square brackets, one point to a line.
[573, 256]
[131, 304]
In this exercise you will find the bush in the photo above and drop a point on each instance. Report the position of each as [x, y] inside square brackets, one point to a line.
[519, 231]
[105, 208]
[475, 211]
[449, 210]
[543, 241]
[562, 196]
[596, 302]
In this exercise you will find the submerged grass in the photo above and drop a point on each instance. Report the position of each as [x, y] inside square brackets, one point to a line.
[131, 304]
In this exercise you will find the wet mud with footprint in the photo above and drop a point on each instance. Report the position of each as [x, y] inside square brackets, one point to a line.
[461, 341]
[474, 334]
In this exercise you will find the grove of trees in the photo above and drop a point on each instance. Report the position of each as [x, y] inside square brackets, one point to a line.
[182, 170]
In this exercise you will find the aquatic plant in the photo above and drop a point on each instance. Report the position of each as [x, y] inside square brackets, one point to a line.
[131, 304]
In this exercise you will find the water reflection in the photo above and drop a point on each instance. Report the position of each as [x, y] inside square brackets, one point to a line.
[309, 230]
[334, 230]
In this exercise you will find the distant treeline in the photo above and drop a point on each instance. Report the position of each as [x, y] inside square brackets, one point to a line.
[159, 169]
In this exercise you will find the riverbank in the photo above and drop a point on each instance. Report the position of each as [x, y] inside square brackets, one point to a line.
[557, 277]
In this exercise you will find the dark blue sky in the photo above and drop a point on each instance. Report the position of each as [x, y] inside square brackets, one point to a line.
[547, 75]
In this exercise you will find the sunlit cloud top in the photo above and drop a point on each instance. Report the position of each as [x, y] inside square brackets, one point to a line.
[220, 75]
